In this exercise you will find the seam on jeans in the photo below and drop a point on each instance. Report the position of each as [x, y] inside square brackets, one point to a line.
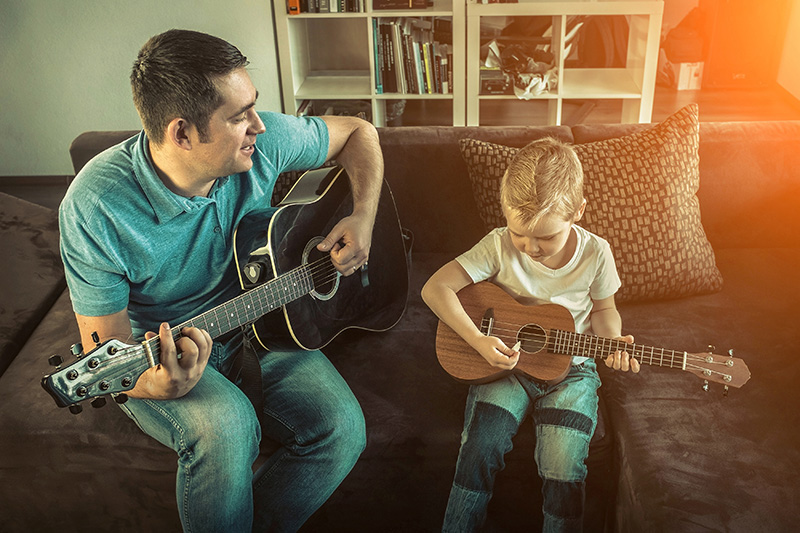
[462, 487]
[182, 444]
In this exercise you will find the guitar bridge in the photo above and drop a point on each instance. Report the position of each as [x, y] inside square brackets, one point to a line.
[487, 324]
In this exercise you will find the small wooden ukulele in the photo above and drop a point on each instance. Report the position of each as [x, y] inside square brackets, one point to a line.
[548, 343]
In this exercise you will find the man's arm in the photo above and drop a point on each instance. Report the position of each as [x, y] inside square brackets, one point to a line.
[173, 377]
[355, 146]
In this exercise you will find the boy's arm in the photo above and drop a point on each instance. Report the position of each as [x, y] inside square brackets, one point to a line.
[606, 322]
[439, 293]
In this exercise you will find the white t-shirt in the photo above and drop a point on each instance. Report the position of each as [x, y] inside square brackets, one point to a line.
[589, 275]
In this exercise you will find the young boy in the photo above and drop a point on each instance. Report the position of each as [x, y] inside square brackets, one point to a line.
[541, 256]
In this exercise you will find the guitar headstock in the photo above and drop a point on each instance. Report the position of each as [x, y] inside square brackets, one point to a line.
[111, 368]
[726, 370]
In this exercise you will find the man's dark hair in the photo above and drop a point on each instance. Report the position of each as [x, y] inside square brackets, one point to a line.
[174, 76]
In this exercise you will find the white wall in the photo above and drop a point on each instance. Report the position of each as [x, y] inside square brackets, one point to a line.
[789, 69]
[64, 67]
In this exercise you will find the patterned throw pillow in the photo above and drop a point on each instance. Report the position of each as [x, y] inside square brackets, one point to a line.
[641, 191]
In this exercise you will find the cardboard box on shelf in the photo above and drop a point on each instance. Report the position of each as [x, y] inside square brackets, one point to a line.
[688, 76]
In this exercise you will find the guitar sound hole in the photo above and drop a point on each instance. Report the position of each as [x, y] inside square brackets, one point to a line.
[323, 274]
[532, 337]
[324, 279]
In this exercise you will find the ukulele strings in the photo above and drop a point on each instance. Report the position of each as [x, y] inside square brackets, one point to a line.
[512, 332]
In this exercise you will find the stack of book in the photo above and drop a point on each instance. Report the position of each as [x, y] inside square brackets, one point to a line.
[413, 55]
[295, 7]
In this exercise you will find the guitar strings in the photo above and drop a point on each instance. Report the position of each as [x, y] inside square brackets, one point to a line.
[514, 334]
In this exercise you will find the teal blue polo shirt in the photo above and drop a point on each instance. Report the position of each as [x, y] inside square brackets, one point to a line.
[128, 241]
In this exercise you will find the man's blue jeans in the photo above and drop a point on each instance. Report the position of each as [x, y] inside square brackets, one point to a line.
[564, 415]
[308, 409]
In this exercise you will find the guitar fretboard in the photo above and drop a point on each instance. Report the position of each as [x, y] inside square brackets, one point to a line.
[582, 345]
[250, 305]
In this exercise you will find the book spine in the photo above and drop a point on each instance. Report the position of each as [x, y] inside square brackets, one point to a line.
[378, 46]
[293, 7]
[399, 62]
[426, 54]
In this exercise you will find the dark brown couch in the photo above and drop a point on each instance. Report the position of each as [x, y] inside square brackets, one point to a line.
[670, 456]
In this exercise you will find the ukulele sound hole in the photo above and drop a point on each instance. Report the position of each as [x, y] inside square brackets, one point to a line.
[323, 274]
[532, 338]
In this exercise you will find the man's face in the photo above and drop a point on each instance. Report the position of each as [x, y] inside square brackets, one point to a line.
[232, 129]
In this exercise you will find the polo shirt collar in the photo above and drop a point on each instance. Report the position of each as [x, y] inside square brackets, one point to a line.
[165, 203]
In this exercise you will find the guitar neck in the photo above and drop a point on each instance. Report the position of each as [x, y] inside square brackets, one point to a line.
[582, 345]
[248, 306]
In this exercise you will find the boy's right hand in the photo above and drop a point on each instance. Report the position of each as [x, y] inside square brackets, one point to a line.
[496, 352]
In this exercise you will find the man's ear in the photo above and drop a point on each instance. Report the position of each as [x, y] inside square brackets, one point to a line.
[180, 133]
[579, 213]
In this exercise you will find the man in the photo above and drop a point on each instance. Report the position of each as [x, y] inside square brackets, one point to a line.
[146, 241]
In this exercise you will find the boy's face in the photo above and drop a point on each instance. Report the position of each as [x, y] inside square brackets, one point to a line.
[549, 242]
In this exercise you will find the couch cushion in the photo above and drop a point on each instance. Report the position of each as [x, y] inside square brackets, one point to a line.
[33, 276]
[642, 198]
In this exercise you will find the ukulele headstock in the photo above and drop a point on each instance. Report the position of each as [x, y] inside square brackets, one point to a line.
[727, 370]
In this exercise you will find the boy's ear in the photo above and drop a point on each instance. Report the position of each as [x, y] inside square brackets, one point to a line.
[179, 133]
[581, 210]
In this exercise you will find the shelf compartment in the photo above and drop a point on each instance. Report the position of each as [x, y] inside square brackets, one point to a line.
[335, 85]
[600, 83]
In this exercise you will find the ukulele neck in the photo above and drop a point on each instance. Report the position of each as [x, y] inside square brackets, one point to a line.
[582, 345]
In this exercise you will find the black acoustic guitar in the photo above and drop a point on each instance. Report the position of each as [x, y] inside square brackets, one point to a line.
[292, 295]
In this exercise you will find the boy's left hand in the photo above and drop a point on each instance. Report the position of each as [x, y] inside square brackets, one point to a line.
[620, 360]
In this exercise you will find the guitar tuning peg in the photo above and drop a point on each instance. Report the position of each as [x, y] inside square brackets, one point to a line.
[712, 348]
[725, 392]
[75, 408]
[98, 402]
[55, 360]
[730, 352]
[705, 385]
[121, 398]
[96, 338]
[76, 349]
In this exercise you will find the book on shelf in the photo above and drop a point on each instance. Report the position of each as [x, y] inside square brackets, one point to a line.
[408, 57]
[296, 7]
[399, 4]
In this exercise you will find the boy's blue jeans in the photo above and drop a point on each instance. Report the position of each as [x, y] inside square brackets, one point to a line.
[308, 409]
[564, 415]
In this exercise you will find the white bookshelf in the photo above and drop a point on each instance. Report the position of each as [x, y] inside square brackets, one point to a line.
[634, 84]
[330, 56]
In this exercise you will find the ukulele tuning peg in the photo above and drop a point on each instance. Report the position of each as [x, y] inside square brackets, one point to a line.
[712, 348]
[705, 385]
[55, 360]
[75, 408]
[730, 352]
[121, 398]
[98, 402]
[725, 392]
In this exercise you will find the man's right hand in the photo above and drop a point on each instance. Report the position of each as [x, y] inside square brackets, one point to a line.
[181, 367]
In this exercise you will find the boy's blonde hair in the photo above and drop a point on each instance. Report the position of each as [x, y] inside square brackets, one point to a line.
[544, 178]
